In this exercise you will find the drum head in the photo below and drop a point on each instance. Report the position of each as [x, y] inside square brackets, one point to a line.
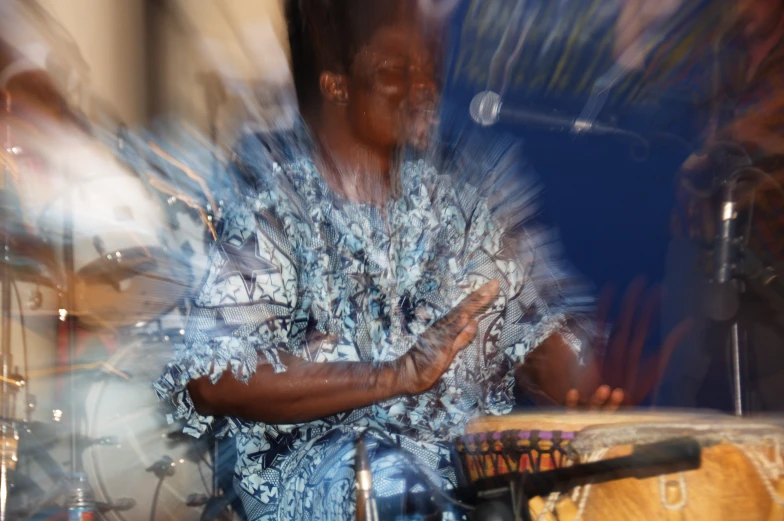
[126, 409]
[576, 421]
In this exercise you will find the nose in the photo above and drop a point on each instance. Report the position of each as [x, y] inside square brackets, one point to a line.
[423, 87]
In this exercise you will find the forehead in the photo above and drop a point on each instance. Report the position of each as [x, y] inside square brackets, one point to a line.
[404, 39]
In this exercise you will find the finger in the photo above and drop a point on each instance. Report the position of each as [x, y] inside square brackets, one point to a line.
[641, 330]
[696, 162]
[480, 300]
[620, 338]
[572, 399]
[600, 397]
[615, 400]
[448, 326]
[604, 304]
[485, 296]
[466, 336]
[588, 378]
[602, 312]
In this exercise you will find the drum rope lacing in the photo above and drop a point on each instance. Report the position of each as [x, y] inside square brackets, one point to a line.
[769, 471]
[580, 495]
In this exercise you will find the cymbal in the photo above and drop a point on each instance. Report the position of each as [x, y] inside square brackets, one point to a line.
[29, 250]
[38, 435]
[32, 259]
[140, 286]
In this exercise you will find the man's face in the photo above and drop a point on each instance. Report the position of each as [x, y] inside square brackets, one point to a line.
[392, 91]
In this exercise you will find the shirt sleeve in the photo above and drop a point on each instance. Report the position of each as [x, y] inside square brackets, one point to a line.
[544, 298]
[540, 297]
[244, 313]
[506, 241]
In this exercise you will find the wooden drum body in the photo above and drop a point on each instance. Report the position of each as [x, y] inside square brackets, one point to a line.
[741, 476]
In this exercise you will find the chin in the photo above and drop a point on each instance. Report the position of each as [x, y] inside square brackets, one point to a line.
[419, 143]
[420, 130]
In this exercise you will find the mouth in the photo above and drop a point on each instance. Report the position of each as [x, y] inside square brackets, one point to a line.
[420, 125]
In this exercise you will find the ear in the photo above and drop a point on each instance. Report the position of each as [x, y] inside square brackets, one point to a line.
[334, 87]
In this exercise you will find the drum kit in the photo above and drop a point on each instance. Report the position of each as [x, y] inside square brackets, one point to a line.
[102, 250]
[90, 246]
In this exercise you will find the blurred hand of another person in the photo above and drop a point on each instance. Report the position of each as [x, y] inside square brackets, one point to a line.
[619, 362]
[553, 376]
[615, 373]
[635, 18]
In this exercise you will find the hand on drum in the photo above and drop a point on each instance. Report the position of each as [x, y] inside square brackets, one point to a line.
[604, 398]
[552, 376]
[618, 361]
[615, 374]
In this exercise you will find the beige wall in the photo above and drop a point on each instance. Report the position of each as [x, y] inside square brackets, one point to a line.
[242, 42]
[110, 35]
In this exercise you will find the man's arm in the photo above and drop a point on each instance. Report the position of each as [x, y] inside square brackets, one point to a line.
[308, 391]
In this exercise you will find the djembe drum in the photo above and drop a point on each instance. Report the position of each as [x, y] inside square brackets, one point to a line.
[740, 476]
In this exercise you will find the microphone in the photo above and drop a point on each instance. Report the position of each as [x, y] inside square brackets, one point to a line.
[366, 497]
[487, 108]
[721, 298]
[162, 468]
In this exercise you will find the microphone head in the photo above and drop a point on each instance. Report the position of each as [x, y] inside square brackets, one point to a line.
[485, 108]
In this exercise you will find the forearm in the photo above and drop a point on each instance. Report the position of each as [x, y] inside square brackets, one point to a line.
[304, 392]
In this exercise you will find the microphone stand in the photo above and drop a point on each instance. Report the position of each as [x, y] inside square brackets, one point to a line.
[366, 498]
[727, 273]
[728, 282]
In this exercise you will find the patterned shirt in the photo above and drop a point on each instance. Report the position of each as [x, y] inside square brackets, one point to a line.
[299, 269]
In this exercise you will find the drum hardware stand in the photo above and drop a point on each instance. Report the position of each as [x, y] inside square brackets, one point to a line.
[217, 505]
[63, 480]
[161, 469]
[68, 316]
[9, 436]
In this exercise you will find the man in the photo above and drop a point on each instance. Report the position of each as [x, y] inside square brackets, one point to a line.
[354, 288]
[744, 88]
